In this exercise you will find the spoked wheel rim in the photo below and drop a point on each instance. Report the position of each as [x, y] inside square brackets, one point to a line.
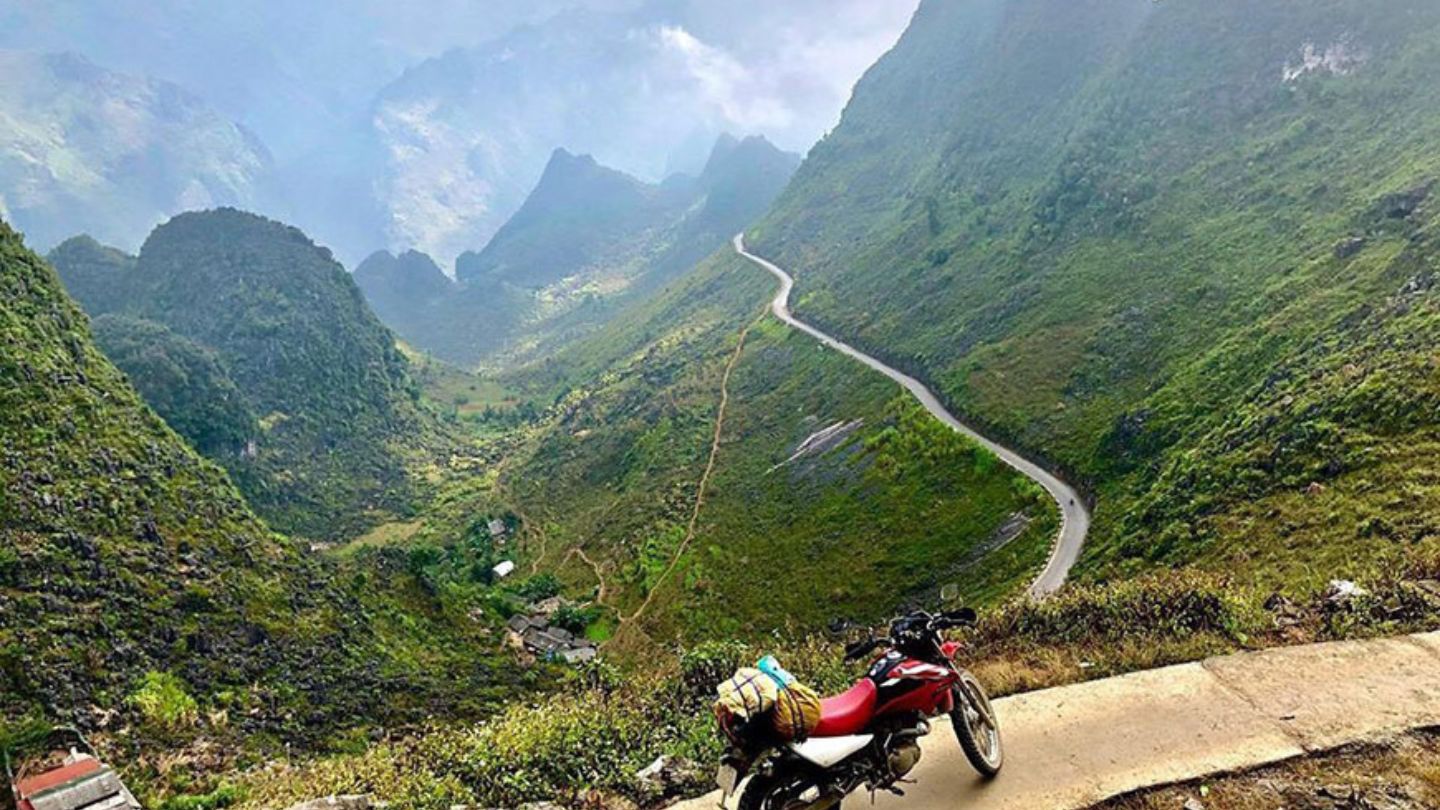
[972, 707]
[781, 792]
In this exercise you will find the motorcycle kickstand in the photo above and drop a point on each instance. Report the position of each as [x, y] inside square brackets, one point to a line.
[891, 789]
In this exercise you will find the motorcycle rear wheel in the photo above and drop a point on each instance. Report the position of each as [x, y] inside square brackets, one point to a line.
[976, 727]
[779, 791]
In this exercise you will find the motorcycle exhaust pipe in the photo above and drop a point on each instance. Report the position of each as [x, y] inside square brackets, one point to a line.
[828, 800]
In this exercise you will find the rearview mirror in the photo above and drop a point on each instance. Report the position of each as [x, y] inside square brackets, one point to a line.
[950, 595]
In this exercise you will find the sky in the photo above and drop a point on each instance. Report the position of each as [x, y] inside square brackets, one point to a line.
[399, 123]
[286, 69]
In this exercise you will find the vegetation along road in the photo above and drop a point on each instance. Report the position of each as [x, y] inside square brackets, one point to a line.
[1074, 515]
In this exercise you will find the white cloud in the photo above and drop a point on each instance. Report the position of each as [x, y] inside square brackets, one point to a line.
[725, 83]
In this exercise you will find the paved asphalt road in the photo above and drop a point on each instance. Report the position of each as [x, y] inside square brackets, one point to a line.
[1075, 516]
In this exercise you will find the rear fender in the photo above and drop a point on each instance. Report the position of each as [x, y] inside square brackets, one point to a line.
[827, 752]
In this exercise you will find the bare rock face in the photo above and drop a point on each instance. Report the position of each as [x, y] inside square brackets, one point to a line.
[83, 149]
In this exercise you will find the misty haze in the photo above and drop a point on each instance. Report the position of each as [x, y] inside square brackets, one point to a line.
[788, 405]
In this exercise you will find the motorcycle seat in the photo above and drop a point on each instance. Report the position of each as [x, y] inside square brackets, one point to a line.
[848, 712]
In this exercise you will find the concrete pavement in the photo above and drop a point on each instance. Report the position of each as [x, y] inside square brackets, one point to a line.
[1071, 747]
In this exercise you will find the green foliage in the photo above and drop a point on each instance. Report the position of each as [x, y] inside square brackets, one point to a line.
[184, 382]
[164, 704]
[574, 619]
[223, 796]
[538, 587]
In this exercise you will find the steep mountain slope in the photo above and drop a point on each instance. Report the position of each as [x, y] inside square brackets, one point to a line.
[83, 149]
[337, 410]
[588, 242]
[1114, 230]
[127, 561]
[184, 382]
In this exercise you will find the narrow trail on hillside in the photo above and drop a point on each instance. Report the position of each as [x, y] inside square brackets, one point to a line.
[702, 486]
[595, 567]
[1074, 514]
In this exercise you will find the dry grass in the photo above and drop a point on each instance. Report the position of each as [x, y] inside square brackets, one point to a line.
[1403, 774]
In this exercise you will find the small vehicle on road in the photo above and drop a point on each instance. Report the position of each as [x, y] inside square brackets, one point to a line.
[870, 735]
[65, 774]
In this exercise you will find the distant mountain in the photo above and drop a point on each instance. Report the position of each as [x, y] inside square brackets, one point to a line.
[431, 312]
[580, 213]
[83, 149]
[288, 325]
[466, 136]
[1178, 248]
[587, 239]
[393, 284]
[95, 275]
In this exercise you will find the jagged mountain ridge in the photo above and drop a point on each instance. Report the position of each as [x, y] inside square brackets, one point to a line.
[588, 239]
[124, 554]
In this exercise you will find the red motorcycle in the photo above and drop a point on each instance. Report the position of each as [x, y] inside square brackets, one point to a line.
[869, 736]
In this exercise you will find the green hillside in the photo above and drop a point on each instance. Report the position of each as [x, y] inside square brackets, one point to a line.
[1184, 250]
[890, 507]
[139, 594]
[338, 422]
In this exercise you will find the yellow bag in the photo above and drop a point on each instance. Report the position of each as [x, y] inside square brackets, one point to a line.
[749, 693]
[797, 712]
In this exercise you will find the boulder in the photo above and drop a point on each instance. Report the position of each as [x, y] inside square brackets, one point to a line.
[1343, 591]
[1349, 247]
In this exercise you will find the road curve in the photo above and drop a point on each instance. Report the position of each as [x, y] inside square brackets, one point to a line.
[1074, 515]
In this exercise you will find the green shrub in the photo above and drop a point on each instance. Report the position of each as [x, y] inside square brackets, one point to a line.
[222, 796]
[538, 587]
[164, 704]
[1172, 604]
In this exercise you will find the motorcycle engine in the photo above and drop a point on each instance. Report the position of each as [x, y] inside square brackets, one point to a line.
[904, 758]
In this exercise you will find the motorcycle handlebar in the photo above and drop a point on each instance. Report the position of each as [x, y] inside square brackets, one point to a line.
[859, 649]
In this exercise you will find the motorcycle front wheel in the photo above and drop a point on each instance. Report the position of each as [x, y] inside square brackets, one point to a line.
[783, 791]
[976, 726]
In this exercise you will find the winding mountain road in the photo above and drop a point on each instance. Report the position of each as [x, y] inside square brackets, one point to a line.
[1074, 515]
